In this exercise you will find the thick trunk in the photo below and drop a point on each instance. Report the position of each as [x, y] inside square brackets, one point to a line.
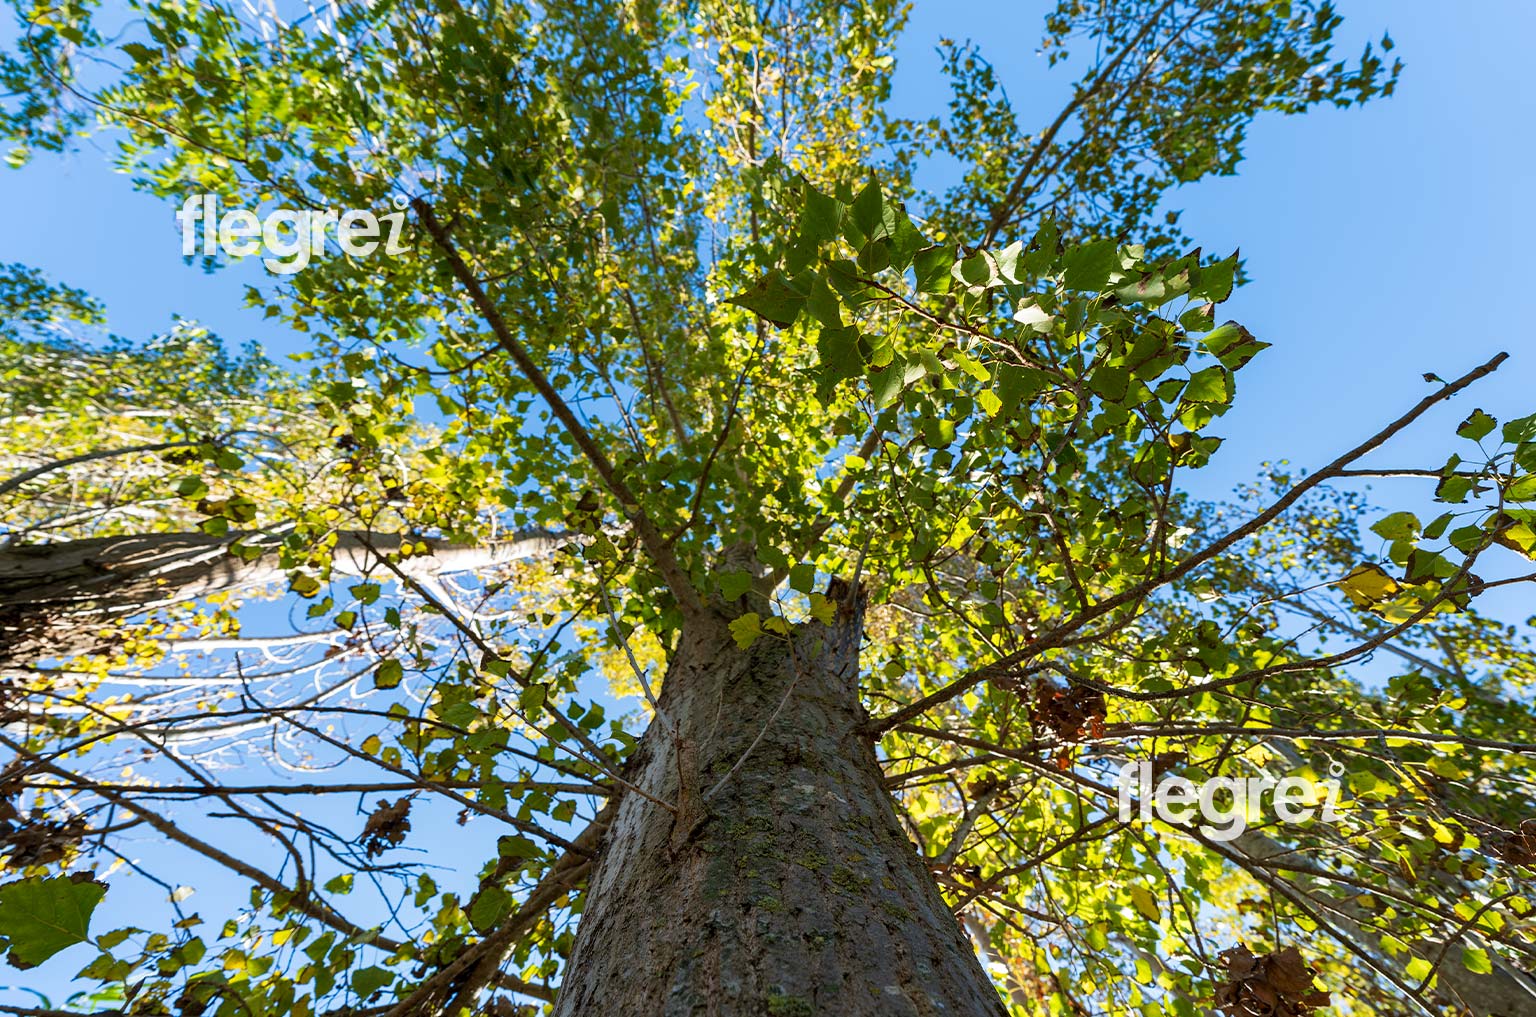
[786, 887]
[55, 599]
[60, 600]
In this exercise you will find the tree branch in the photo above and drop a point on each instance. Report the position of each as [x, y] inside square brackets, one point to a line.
[655, 545]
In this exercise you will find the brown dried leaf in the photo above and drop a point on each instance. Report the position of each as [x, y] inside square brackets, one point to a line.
[386, 827]
[1277, 984]
[1519, 846]
[1069, 712]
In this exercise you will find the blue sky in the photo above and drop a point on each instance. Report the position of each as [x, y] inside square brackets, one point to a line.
[1383, 242]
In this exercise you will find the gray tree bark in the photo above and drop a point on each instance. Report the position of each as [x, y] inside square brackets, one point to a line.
[785, 885]
[61, 600]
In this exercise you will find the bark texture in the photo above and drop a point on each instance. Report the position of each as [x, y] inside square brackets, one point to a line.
[61, 600]
[786, 886]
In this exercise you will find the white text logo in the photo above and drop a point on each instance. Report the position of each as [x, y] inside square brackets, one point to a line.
[1294, 800]
[290, 236]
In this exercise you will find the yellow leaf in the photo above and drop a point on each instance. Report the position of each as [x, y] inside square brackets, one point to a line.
[746, 629]
[1368, 585]
[963, 532]
[1145, 903]
[822, 609]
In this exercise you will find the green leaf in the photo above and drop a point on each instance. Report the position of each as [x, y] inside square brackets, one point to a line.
[932, 267]
[802, 577]
[975, 368]
[821, 217]
[1096, 936]
[514, 846]
[823, 304]
[389, 674]
[489, 907]
[772, 298]
[840, 359]
[1040, 258]
[1008, 261]
[1466, 539]
[1523, 489]
[40, 917]
[1015, 384]
[979, 271]
[1397, 526]
[733, 584]
[303, 585]
[866, 212]
[1453, 488]
[1151, 289]
[1035, 317]
[1477, 426]
[1436, 527]
[1110, 383]
[1521, 430]
[1216, 280]
[822, 609]
[904, 238]
[1233, 345]
[1199, 319]
[885, 386]
[937, 432]
[367, 981]
[1476, 960]
[1211, 385]
[1088, 267]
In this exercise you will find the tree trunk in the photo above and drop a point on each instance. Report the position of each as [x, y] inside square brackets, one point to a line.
[785, 886]
[61, 600]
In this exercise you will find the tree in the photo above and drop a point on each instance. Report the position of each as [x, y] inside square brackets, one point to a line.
[876, 513]
[143, 479]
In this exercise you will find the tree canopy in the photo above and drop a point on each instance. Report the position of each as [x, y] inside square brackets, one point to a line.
[686, 335]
